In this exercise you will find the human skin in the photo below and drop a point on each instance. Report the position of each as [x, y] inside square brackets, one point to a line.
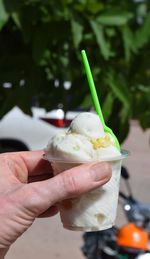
[28, 190]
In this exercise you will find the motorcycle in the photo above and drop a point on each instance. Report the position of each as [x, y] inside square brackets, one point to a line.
[131, 241]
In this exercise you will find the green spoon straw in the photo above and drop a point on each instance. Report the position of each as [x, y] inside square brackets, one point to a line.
[95, 97]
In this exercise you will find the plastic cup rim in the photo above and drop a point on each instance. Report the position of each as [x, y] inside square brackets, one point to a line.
[123, 155]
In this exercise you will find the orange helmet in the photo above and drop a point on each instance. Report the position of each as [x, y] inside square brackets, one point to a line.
[132, 236]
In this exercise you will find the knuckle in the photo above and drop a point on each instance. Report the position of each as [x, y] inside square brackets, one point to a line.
[70, 185]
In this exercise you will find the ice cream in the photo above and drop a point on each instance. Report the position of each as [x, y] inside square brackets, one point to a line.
[86, 141]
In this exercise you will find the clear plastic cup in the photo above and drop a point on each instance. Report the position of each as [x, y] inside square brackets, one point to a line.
[95, 210]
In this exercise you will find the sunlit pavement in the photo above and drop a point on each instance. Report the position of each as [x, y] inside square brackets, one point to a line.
[47, 239]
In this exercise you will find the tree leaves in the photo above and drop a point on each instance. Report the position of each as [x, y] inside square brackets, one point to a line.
[16, 19]
[142, 35]
[13, 5]
[40, 41]
[91, 6]
[77, 31]
[145, 119]
[101, 40]
[107, 107]
[114, 18]
[87, 102]
[141, 99]
[4, 16]
[128, 42]
[121, 92]
[94, 7]
[118, 88]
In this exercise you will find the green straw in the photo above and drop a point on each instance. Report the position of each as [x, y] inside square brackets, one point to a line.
[95, 97]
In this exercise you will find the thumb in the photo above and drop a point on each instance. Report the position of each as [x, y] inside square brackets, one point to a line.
[71, 183]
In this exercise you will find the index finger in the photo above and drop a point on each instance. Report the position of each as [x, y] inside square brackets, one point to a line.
[35, 163]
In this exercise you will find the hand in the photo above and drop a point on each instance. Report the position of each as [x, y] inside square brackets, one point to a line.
[26, 192]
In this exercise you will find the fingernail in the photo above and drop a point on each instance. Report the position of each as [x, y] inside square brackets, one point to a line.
[100, 171]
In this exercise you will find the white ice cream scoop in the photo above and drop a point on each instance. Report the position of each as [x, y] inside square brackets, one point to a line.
[87, 124]
[106, 153]
[70, 147]
[85, 140]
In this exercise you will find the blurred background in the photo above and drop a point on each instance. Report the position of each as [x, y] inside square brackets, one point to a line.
[43, 86]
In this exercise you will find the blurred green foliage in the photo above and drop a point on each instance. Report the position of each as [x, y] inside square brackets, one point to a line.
[40, 43]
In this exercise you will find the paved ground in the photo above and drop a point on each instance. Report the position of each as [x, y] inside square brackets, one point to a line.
[47, 239]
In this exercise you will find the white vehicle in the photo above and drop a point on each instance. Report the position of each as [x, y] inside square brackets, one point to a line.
[19, 131]
[56, 117]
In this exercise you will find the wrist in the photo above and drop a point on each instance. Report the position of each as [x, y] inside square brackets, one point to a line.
[3, 252]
